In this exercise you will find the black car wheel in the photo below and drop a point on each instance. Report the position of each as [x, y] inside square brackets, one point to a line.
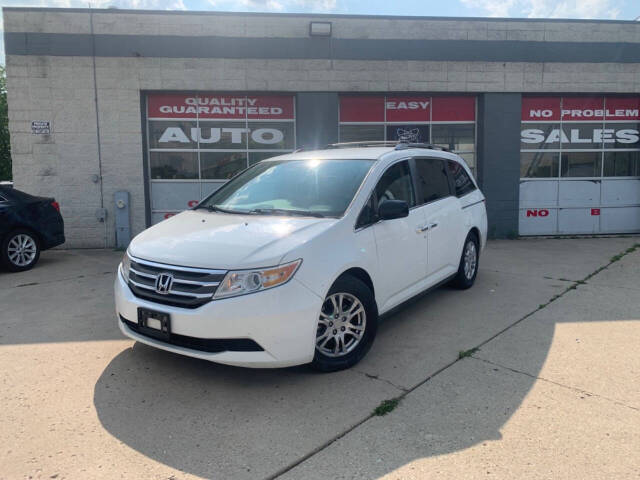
[347, 325]
[20, 250]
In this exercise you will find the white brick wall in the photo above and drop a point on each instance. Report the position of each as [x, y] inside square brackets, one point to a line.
[61, 89]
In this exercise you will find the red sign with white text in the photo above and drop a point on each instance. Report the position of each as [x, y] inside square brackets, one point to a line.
[595, 108]
[406, 108]
[220, 107]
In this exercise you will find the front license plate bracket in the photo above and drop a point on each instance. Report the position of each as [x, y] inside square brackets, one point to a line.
[154, 324]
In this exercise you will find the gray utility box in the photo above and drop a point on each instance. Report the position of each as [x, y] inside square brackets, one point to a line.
[123, 223]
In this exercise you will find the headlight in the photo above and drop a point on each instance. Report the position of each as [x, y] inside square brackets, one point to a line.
[125, 266]
[241, 282]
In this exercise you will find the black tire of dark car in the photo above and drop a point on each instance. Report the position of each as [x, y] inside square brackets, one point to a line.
[5, 258]
[351, 286]
[463, 281]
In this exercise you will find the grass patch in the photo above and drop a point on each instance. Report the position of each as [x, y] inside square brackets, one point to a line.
[467, 353]
[386, 406]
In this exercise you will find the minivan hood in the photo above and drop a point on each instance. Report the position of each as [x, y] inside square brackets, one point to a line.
[198, 238]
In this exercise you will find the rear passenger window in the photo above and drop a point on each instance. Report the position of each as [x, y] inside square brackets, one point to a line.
[461, 179]
[396, 184]
[433, 179]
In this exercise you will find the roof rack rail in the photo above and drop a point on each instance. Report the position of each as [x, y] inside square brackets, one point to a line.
[375, 143]
[430, 146]
[398, 145]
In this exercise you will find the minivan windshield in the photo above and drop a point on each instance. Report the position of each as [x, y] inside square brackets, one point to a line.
[318, 188]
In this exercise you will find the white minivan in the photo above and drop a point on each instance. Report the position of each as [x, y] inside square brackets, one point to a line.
[293, 260]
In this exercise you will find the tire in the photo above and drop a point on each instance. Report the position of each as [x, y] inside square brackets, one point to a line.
[465, 278]
[355, 342]
[20, 250]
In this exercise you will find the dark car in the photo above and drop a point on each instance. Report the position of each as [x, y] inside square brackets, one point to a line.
[28, 225]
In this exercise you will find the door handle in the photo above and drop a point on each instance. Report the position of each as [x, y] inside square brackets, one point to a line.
[424, 228]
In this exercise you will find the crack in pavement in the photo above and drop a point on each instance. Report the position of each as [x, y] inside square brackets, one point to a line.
[58, 280]
[406, 392]
[381, 379]
[569, 387]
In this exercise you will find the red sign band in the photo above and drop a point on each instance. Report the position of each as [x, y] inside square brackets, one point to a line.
[220, 107]
[594, 108]
[406, 108]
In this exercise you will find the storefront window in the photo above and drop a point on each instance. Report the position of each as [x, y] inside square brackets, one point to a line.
[271, 135]
[581, 164]
[540, 136]
[448, 121]
[361, 133]
[457, 138]
[198, 141]
[216, 165]
[585, 133]
[408, 133]
[174, 165]
[539, 164]
[622, 164]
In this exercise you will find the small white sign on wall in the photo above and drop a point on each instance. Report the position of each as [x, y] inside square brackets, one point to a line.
[40, 127]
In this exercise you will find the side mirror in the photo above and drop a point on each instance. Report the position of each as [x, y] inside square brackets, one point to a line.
[390, 209]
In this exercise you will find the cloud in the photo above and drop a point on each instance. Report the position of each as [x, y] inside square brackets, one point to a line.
[277, 5]
[135, 4]
[492, 8]
[571, 9]
[546, 8]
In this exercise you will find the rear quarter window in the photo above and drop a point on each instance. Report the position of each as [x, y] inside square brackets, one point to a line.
[461, 179]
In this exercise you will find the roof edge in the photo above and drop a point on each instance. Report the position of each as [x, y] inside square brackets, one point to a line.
[313, 15]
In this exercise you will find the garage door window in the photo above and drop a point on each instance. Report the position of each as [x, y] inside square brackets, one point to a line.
[196, 141]
[448, 121]
[622, 164]
[580, 165]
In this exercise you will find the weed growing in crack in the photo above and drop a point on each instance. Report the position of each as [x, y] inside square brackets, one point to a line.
[467, 353]
[386, 406]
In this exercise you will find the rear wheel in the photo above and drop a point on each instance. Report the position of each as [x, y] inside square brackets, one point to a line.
[20, 251]
[468, 268]
[347, 325]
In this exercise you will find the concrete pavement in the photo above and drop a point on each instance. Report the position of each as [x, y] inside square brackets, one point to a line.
[552, 394]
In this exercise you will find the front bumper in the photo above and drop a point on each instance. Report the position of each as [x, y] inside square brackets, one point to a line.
[282, 320]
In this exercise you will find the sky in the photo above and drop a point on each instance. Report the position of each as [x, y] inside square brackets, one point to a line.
[600, 9]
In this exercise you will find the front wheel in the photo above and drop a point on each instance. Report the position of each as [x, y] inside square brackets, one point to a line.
[468, 268]
[347, 325]
[20, 251]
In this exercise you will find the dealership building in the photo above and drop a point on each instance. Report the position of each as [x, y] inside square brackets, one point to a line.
[127, 117]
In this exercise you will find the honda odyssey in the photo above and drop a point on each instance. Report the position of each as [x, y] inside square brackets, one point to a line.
[294, 259]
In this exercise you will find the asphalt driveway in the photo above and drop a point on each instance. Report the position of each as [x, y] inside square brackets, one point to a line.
[551, 392]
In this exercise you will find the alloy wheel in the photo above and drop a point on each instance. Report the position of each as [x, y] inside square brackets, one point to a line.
[22, 250]
[341, 325]
[470, 260]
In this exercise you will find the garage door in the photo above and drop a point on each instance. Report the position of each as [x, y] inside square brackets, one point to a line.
[580, 165]
[446, 120]
[196, 141]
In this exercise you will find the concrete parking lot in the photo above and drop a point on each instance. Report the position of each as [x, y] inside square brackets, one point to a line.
[552, 390]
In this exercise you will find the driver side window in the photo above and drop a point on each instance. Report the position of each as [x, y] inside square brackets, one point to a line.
[396, 184]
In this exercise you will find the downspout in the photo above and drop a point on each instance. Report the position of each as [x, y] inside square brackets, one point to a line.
[103, 213]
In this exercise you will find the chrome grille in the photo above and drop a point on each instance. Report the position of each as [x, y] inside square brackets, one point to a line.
[190, 287]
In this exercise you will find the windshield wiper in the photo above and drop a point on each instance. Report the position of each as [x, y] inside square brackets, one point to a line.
[284, 211]
[215, 208]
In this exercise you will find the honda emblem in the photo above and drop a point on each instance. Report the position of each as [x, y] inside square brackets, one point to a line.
[164, 281]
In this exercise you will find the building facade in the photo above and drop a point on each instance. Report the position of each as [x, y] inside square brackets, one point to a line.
[168, 105]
